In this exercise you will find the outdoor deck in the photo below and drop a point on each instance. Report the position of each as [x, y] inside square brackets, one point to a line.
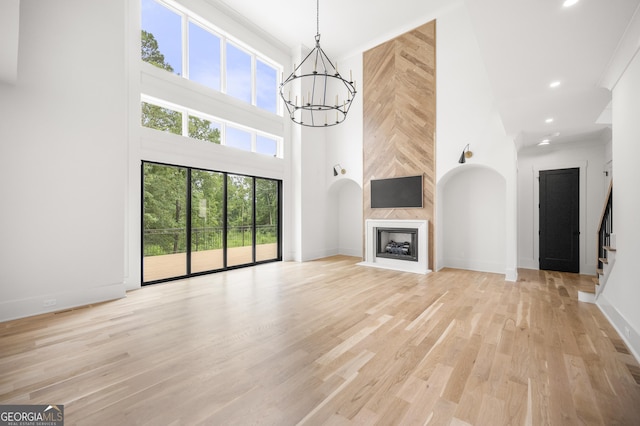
[174, 265]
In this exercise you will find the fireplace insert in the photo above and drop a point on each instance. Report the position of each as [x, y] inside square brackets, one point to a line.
[397, 243]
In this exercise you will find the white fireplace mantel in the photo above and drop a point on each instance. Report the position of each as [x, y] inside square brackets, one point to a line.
[371, 234]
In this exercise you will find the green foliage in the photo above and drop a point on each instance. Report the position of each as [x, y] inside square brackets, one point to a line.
[239, 200]
[266, 202]
[200, 128]
[159, 118]
[165, 208]
[207, 191]
[164, 119]
[151, 53]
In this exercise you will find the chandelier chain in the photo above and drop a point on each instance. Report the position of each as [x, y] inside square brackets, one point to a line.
[318, 17]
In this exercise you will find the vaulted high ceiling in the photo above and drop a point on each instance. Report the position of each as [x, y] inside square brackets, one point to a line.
[525, 45]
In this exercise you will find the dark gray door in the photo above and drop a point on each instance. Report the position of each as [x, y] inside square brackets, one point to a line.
[560, 220]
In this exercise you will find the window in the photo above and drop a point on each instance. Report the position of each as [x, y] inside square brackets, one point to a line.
[237, 138]
[204, 57]
[200, 221]
[167, 117]
[266, 145]
[161, 37]
[266, 87]
[159, 118]
[204, 130]
[238, 73]
[247, 75]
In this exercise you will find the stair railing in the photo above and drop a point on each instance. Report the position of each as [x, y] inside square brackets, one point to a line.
[606, 227]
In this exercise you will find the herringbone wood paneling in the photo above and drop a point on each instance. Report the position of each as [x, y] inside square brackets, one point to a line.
[400, 119]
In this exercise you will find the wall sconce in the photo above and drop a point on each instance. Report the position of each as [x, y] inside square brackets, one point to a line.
[338, 167]
[466, 153]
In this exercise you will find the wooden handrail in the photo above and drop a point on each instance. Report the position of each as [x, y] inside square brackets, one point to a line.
[606, 203]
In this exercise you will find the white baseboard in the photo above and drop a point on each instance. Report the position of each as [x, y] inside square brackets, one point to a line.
[318, 254]
[528, 263]
[626, 332]
[351, 252]
[474, 265]
[511, 275]
[22, 308]
[586, 297]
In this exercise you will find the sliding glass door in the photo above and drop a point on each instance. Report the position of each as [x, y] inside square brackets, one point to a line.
[239, 220]
[267, 219]
[207, 217]
[164, 220]
[198, 221]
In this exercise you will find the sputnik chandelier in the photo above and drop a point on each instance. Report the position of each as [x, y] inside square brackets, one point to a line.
[325, 95]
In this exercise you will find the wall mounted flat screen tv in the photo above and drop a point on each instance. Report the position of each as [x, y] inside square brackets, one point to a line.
[395, 193]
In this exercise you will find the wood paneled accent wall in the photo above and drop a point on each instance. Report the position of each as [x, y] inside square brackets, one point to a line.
[399, 96]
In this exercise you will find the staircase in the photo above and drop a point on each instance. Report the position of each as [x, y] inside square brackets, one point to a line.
[606, 250]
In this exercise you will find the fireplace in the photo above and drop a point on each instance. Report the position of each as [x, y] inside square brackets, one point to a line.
[400, 245]
[397, 243]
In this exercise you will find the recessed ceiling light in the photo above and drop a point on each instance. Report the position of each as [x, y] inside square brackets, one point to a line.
[544, 142]
[554, 84]
[548, 120]
[569, 3]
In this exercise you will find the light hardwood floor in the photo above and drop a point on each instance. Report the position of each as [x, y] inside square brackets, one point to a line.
[329, 342]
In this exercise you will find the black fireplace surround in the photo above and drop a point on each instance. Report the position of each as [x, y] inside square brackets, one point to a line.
[397, 243]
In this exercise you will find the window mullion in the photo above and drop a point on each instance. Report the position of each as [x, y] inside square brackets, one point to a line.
[185, 122]
[253, 218]
[185, 46]
[189, 225]
[254, 78]
[223, 65]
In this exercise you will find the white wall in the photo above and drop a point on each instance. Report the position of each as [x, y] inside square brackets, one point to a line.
[344, 146]
[63, 158]
[473, 220]
[9, 33]
[621, 294]
[350, 231]
[345, 234]
[466, 114]
[325, 217]
[590, 158]
[315, 213]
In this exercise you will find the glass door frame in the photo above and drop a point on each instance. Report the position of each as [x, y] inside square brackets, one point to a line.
[189, 225]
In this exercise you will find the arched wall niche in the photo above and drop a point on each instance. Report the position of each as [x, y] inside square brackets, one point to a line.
[471, 212]
[345, 208]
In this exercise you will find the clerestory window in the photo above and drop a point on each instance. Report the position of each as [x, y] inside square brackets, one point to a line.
[178, 41]
[171, 118]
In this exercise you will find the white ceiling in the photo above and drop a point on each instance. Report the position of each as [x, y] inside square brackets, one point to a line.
[525, 44]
